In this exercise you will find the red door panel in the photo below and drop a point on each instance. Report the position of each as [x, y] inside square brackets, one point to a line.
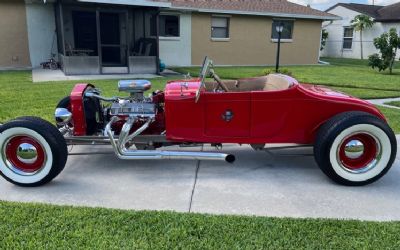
[271, 112]
[227, 114]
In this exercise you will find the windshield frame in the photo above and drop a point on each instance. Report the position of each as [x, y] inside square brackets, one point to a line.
[204, 72]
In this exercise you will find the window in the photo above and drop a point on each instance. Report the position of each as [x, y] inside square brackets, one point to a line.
[287, 32]
[220, 27]
[169, 26]
[348, 38]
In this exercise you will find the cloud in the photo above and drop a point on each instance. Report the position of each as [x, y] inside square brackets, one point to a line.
[316, 3]
[383, 2]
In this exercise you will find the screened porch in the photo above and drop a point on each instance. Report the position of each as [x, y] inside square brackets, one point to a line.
[107, 38]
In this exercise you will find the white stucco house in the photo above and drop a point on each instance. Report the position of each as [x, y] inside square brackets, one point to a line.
[344, 41]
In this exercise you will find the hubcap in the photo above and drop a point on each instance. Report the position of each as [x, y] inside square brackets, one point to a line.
[354, 149]
[27, 153]
[24, 155]
[359, 152]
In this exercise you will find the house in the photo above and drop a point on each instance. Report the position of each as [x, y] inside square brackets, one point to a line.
[344, 41]
[130, 36]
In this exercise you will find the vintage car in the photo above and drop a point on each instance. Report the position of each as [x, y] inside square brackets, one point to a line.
[353, 144]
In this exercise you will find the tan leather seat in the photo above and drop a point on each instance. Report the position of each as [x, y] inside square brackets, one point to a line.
[252, 84]
[277, 82]
[232, 85]
[271, 82]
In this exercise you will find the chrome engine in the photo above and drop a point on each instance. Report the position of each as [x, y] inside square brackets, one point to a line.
[136, 105]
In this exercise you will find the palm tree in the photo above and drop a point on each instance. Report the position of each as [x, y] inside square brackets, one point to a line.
[360, 23]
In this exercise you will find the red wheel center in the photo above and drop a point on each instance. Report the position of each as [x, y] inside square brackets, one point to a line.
[357, 151]
[25, 154]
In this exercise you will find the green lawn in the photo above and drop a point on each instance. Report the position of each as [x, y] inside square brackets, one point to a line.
[32, 226]
[19, 96]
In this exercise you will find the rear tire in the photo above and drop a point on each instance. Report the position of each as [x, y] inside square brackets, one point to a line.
[355, 148]
[33, 151]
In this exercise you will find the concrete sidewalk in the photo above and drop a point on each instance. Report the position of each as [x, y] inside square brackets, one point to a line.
[284, 185]
[49, 75]
[382, 102]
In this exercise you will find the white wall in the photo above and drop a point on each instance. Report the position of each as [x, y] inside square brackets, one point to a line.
[335, 29]
[178, 51]
[41, 32]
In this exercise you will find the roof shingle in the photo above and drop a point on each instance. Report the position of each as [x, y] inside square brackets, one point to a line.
[379, 13]
[254, 6]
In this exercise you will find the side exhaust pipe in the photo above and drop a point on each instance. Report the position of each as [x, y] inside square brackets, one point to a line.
[173, 155]
[125, 154]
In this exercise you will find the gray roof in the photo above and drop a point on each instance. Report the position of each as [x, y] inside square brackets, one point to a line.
[390, 13]
[256, 7]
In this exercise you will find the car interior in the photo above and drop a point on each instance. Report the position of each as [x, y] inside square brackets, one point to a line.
[271, 82]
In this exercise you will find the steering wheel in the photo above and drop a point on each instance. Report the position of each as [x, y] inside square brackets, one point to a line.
[221, 84]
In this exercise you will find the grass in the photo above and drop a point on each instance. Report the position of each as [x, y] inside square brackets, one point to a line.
[393, 116]
[33, 226]
[397, 103]
[19, 96]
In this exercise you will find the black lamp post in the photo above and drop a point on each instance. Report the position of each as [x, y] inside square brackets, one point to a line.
[279, 29]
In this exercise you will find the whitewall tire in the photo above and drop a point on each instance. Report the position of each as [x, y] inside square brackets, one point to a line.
[32, 151]
[355, 148]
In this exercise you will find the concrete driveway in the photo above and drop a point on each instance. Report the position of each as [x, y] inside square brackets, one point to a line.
[285, 184]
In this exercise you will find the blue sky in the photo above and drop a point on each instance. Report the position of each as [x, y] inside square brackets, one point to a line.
[324, 4]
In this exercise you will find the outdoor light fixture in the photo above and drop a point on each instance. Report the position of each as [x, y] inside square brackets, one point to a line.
[279, 29]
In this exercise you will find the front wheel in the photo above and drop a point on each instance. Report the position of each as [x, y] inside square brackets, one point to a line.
[355, 148]
[33, 151]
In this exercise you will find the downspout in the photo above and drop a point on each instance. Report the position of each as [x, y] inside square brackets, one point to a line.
[158, 41]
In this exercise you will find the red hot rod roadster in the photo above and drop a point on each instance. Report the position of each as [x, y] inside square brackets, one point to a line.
[353, 144]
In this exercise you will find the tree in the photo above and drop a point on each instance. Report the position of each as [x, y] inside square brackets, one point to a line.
[387, 44]
[360, 23]
[324, 37]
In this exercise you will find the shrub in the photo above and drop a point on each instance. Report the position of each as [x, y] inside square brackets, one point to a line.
[283, 71]
[387, 44]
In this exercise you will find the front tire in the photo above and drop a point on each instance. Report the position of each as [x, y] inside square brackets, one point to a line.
[355, 148]
[33, 151]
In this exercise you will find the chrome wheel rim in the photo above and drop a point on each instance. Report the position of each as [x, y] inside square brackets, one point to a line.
[359, 152]
[23, 155]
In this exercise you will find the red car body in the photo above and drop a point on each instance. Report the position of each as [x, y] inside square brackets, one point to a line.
[288, 116]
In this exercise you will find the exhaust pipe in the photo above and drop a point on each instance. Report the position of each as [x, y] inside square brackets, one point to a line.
[125, 154]
[173, 155]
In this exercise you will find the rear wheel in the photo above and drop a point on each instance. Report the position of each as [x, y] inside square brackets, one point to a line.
[355, 148]
[33, 151]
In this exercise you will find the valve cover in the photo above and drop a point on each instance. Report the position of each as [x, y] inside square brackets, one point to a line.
[140, 109]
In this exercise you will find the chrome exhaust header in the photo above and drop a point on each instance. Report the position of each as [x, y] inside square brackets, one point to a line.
[123, 153]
